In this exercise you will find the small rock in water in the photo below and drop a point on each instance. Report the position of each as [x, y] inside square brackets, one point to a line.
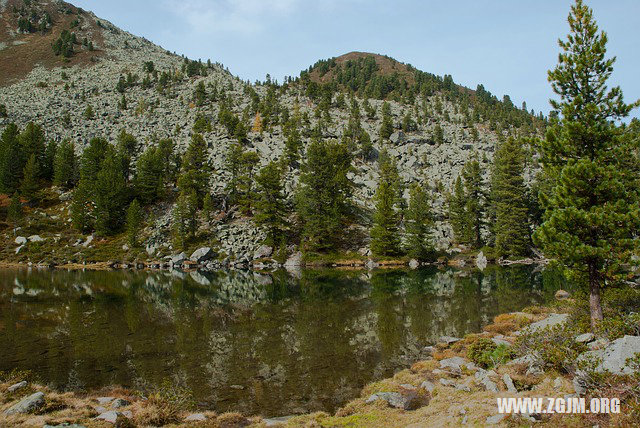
[17, 386]
[414, 264]
[27, 404]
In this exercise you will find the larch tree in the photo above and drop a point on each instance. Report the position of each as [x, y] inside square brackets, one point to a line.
[592, 209]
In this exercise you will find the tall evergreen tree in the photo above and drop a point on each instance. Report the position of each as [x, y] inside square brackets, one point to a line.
[149, 175]
[385, 237]
[29, 186]
[509, 200]
[270, 204]
[195, 172]
[457, 213]
[110, 195]
[49, 161]
[134, 222]
[418, 222]
[475, 195]
[386, 128]
[32, 141]
[82, 207]
[65, 165]
[324, 195]
[592, 211]
[11, 159]
[92, 158]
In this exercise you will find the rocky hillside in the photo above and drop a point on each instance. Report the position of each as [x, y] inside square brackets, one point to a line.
[113, 80]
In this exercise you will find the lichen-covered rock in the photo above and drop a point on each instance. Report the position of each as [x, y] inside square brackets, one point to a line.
[27, 405]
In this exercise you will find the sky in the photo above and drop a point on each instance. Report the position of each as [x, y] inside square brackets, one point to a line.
[506, 45]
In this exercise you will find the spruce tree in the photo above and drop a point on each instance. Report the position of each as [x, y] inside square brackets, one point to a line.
[134, 222]
[592, 210]
[92, 157]
[32, 142]
[149, 176]
[386, 129]
[385, 238]
[29, 186]
[195, 172]
[270, 204]
[323, 200]
[418, 224]
[110, 195]
[457, 212]
[65, 165]
[11, 159]
[207, 207]
[82, 207]
[509, 200]
[475, 196]
[49, 161]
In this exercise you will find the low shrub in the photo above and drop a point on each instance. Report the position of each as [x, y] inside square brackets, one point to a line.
[554, 346]
[487, 354]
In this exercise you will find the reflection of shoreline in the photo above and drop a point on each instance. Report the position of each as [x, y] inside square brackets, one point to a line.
[238, 328]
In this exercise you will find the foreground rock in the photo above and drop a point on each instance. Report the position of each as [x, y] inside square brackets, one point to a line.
[201, 255]
[407, 399]
[551, 321]
[27, 404]
[615, 356]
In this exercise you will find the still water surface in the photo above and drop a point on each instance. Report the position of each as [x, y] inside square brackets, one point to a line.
[259, 344]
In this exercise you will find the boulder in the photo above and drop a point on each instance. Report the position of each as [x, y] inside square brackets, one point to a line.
[550, 321]
[508, 382]
[294, 260]
[35, 238]
[481, 261]
[397, 137]
[27, 404]
[585, 338]
[449, 339]
[615, 355]
[482, 377]
[17, 386]
[496, 419]
[178, 259]
[276, 421]
[195, 417]
[120, 402]
[201, 255]
[453, 363]
[413, 264]
[427, 386]
[20, 240]
[262, 252]
[407, 399]
[105, 400]
[562, 295]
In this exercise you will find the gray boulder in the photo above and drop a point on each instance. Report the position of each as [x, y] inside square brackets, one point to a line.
[120, 402]
[27, 404]
[17, 386]
[294, 260]
[178, 259]
[195, 417]
[482, 377]
[508, 382]
[449, 339]
[550, 321]
[413, 264]
[20, 240]
[614, 357]
[453, 363]
[481, 261]
[428, 386]
[407, 400]
[201, 255]
[35, 238]
[262, 252]
[585, 338]
[397, 137]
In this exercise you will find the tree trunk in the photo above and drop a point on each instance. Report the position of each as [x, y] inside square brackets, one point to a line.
[594, 297]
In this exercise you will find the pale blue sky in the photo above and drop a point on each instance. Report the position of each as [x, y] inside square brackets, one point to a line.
[507, 45]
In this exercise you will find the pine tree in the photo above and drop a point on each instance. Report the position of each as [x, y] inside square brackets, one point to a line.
[475, 205]
[65, 165]
[11, 159]
[149, 176]
[386, 129]
[134, 222]
[48, 161]
[32, 142]
[195, 172]
[82, 207]
[592, 211]
[207, 207]
[110, 195]
[270, 204]
[324, 196]
[92, 157]
[29, 186]
[127, 147]
[418, 224]
[185, 221]
[457, 213]
[14, 212]
[385, 238]
[509, 200]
